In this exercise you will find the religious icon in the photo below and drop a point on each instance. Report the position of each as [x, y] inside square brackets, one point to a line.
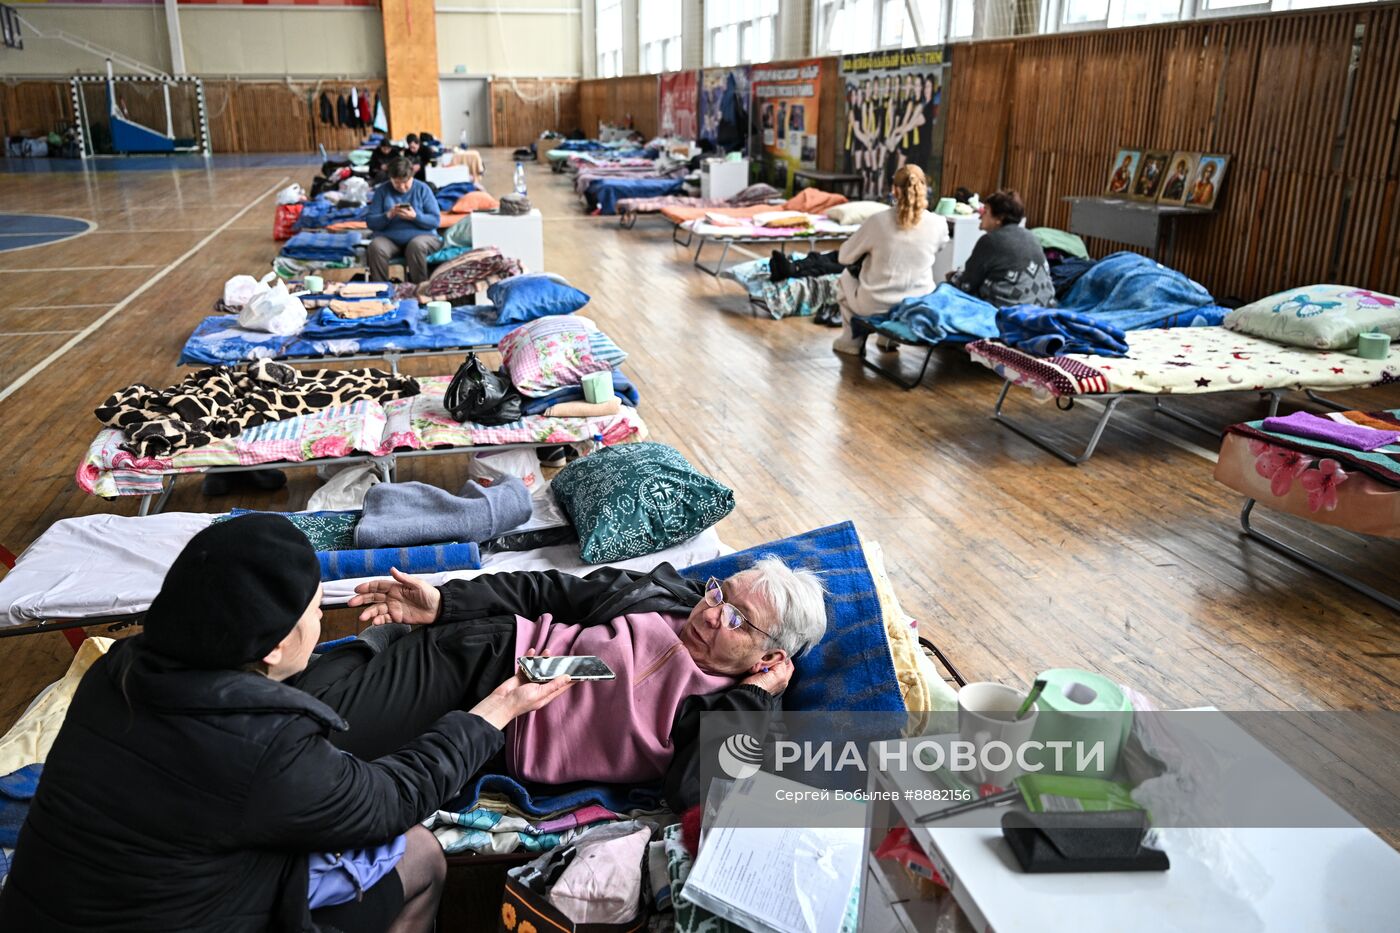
[1205, 185]
[1178, 183]
[1124, 168]
[1149, 178]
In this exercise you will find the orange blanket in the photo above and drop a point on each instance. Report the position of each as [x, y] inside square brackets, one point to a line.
[680, 214]
[812, 201]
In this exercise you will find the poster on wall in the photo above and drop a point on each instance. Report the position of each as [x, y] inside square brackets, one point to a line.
[724, 108]
[678, 104]
[893, 116]
[786, 101]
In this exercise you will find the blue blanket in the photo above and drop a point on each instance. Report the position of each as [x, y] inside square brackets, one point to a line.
[219, 340]
[580, 145]
[327, 325]
[1054, 332]
[622, 387]
[326, 247]
[425, 558]
[447, 195]
[606, 192]
[16, 791]
[946, 313]
[851, 668]
[318, 213]
[1132, 292]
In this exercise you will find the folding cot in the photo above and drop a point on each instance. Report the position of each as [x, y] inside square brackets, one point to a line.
[602, 194]
[1170, 362]
[759, 195]
[750, 234]
[1320, 481]
[358, 432]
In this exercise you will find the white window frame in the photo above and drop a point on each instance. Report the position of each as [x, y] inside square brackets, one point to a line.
[601, 55]
[665, 43]
[764, 9]
[934, 33]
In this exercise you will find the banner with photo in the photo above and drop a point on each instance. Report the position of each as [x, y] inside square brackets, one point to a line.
[786, 102]
[678, 105]
[893, 115]
[724, 107]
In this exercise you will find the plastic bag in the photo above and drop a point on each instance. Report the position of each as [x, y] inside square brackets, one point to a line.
[291, 194]
[493, 466]
[238, 291]
[480, 396]
[274, 310]
[354, 191]
[345, 489]
[284, 222]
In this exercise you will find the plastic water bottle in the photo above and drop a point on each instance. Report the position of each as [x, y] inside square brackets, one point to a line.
[463, 139]
[519, 178]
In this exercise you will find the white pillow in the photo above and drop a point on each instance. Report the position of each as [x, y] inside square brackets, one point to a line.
[856, 212]
[1320, 317]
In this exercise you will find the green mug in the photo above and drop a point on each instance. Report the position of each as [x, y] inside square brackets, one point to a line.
[945, 207]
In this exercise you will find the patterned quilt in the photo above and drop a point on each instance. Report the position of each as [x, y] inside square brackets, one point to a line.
[363, 428]
[814, 296]
[821, 228]
[1351, 489]
[1191, 361]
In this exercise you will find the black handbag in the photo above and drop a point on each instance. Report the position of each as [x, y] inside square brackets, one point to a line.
[480, 396]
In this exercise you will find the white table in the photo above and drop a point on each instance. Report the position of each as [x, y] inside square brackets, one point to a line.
[1342, 879]
[721, 179]
[447, 174]
[965, 231]
[519, 236]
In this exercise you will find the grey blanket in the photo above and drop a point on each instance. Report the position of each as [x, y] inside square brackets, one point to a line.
[407, 514]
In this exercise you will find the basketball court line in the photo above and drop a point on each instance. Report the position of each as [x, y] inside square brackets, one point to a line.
[116, 309]
[81, 268]
[102, 304]
[33, 333]
[64, 238]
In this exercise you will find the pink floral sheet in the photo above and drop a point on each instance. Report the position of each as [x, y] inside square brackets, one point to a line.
[821, 229]
[1355, 490]
[365, 428]
[1190, 360]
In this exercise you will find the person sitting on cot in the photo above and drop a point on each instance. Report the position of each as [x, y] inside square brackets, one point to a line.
[379, 158]
[417, 154]
[1007, 265]
[194, 787]
[679, 648]
[404, 215]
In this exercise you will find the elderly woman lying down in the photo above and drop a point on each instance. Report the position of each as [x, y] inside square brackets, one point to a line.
[679, 648]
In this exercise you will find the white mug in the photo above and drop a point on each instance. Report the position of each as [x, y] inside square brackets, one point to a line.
[986, 714]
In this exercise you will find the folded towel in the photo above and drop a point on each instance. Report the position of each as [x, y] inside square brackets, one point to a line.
[1302, 424]
[404, 514]
[584, 409]
[375, 562]
[354, 310]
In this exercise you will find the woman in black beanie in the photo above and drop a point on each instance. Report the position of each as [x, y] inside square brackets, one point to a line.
[190, 787]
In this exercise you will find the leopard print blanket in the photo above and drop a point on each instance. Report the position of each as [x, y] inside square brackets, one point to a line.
[221, 401]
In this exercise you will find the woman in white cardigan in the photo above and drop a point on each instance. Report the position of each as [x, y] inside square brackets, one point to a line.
[898, 247]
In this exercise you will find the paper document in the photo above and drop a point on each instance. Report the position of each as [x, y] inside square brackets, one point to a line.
[774, 880]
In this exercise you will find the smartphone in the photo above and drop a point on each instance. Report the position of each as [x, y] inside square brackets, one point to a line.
[577, 666]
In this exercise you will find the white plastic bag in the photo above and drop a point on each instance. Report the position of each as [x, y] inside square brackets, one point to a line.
[292, 194]
[493, 466]
[344, 490]
[354, 190]
[238, 291]
[272, 309]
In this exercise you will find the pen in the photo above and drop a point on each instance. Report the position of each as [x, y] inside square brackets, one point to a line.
[992, 800]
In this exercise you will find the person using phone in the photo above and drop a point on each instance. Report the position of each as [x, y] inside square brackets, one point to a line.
[192, 784]
[679, 647]
[404, 215]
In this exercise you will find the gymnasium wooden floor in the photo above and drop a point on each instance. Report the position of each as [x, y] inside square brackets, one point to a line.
[1013, 562]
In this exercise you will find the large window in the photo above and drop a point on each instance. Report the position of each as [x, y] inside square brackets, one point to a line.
[740, 31]
[851, 26]
[607, 32]
[659, 33]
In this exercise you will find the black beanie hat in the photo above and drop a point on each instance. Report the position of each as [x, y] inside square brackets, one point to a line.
[235, 591]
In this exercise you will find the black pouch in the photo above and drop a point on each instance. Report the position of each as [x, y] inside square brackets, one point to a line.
[1066, 842]
[480, 396]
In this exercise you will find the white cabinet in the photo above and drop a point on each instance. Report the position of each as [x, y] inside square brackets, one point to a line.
[520, 236]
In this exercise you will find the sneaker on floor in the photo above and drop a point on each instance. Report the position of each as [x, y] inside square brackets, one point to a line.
[266, 480]
[553, 457]
[886, 345]
[217, 484]
[849, 346]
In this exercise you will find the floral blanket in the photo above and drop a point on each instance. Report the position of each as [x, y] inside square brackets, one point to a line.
[1188, 361]
[365, 428]
[1351, 489]
[814, 296]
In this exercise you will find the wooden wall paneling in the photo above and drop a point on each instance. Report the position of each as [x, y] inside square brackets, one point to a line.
[333, 136]
[614, 100]
[411, 66]
[221, 106]
[34, 106]
[523, 108]
[830, 107]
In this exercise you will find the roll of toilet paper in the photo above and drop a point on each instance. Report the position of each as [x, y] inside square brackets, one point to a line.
[1090, 712]
[439, 312]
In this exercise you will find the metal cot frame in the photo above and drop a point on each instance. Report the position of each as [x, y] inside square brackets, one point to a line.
[782, 242]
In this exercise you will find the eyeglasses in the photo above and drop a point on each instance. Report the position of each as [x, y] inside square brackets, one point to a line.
[732, 617]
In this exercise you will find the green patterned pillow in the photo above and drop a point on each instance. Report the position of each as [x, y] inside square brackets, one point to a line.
[637, 499]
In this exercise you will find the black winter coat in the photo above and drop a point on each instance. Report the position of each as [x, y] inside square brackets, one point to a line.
[188, 800]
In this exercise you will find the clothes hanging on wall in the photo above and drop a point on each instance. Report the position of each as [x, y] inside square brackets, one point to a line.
[366, 114]
[342, 111]
[327, 111]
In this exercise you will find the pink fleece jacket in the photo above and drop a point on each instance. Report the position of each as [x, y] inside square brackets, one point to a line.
[612, 731]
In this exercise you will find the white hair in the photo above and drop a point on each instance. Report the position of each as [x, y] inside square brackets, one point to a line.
[796, 599]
